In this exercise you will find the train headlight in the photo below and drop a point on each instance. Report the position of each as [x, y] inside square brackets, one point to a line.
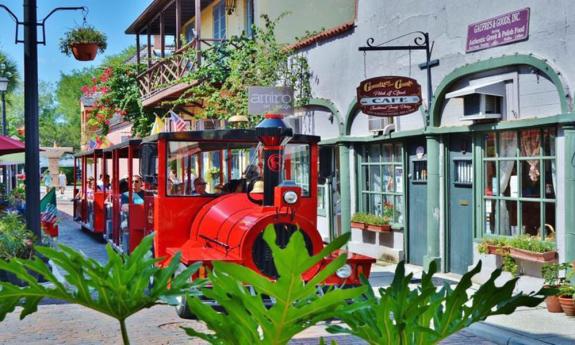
[344, 271]
[290, 197]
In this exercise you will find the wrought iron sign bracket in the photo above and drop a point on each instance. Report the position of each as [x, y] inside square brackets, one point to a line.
[42, 23]
[420, 42]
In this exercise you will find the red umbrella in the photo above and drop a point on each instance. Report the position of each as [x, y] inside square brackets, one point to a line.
[9, 145]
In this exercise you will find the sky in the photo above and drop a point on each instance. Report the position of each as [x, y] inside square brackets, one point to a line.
[110, 16]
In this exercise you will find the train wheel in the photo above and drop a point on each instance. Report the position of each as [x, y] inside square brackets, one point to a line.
[183, 310]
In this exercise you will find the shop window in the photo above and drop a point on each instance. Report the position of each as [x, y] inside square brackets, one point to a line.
[520, 182]
[381, 181]
[420, 171]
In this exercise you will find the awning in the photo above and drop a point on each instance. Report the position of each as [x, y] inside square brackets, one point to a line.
[493, 88]
[9, 145]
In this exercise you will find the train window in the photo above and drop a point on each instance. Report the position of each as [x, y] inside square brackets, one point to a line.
[217, 167]
[296, 162]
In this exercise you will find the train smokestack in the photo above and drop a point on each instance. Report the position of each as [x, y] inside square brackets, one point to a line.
[271, 132]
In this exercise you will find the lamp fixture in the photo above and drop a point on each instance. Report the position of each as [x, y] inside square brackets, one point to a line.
[3, 84]
[230, 6]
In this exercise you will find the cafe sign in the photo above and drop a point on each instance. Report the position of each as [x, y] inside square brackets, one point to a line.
[389, 96]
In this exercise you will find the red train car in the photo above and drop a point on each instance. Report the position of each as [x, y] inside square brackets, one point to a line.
[90, 198]
[203, 196]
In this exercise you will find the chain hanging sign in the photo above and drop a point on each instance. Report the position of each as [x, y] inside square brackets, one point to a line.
[389, 96]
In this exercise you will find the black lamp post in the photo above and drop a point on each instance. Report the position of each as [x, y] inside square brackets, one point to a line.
[32, 142]
[3, 87]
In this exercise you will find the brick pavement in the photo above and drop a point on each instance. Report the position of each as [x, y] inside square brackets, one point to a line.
[71, 324]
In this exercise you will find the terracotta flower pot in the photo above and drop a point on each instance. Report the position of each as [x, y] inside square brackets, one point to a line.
[84, 51]
[567, 305]
[533, 256]
[553, 305]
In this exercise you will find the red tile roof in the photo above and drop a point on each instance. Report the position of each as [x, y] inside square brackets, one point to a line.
[329, 33]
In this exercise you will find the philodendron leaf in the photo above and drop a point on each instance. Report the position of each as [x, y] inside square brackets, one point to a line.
[297, 304]
[119, 288]
[425, 315]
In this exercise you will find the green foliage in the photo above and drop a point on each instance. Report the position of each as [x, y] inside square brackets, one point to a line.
[16, 241]
[83, 35]
[9, 70]
[551, 273]
[525, 242]
[231, 66]
[371, 219]
[297, 305]
[510, 265]
[425, 315]
[119, 288]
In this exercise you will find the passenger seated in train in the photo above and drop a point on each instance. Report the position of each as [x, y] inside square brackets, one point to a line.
[90, 189]
[249, 176]
[137, 192]
[199, 186]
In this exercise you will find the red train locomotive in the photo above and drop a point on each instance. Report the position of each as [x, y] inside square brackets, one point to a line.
[203, 195]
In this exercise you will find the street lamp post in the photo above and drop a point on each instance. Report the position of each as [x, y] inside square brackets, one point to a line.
[3, 88]
[32, 142]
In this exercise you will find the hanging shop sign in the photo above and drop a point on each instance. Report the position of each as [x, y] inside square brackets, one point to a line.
[504, 29]
[270, 100]
[389, 96]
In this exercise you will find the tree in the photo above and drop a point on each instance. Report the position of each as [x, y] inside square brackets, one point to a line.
[8, 69]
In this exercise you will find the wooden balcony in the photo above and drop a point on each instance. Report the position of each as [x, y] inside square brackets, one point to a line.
[162, 80]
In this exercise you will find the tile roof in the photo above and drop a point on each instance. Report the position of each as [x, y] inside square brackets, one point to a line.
[329, 33]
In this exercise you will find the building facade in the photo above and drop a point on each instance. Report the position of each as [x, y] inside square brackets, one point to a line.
[491, 155]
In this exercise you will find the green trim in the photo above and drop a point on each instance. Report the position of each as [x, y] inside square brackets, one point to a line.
[329, 105]
[350, 114]
[569, 133]
[345, 188]
[491, 64]
[432, 143]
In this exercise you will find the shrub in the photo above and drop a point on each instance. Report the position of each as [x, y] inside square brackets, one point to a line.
[16, 241]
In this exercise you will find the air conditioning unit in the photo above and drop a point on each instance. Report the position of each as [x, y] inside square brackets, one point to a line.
[377, 124]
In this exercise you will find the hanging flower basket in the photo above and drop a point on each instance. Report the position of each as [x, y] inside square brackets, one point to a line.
[84, 43]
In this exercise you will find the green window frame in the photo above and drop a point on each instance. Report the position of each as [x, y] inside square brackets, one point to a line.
[381, 181]
[518, 194]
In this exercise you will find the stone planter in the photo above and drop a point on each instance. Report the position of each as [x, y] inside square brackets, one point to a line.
[533, 256]
[567, 305]
[84, 51]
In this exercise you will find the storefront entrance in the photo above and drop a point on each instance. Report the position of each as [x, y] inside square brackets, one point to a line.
[460, 203]
[417, 189]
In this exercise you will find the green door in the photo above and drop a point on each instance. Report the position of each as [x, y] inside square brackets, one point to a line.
[417, 202]
[460, 196]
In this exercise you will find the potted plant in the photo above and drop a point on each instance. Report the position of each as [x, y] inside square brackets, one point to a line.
[566, 292]
[84, 43]
[16, 241]
[530, 248]
[550, 273]
[378, 223]
[359, 221]
[494, 245]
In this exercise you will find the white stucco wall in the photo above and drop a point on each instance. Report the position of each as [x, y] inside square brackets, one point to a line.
[338, 66]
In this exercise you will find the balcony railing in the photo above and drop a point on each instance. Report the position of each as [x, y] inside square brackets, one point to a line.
[168, 72]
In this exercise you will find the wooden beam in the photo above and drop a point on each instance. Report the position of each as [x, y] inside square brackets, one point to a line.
[198, 28]
[162, 36]
[178, 22]
[138, 48]
[149, 38]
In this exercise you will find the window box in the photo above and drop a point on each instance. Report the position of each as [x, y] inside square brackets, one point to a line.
[497, 250]
[526, 255]
[380, 228]
[358, 225]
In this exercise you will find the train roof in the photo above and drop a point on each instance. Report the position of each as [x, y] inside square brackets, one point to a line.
[88, 153]
[122, 147]
[224, 135]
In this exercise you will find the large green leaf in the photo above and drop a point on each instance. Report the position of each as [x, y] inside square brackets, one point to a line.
[297, 304]
[426, 315]
[119, 288]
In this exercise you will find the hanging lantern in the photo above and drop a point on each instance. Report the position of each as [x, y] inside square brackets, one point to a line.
[230, 6]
